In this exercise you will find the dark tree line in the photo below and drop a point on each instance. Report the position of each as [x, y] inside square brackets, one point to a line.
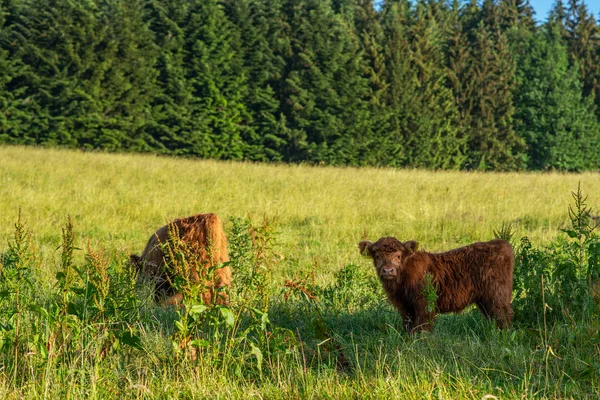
[427, 83]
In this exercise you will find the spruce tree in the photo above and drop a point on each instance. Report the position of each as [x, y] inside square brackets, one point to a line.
[118, 71]
[558, 18]
[458, 54]
[556, 121]
[493, 143]
[6, 74]
[434, 138]
[200, 105]
[583, 38]
[214, 72]
[324, 90]
[515, 14]
[31, 71]
[173, 129]
[482, 78]
[423, 83]
[86, 72]
[400, 77]
[260, 46]
[367, 22]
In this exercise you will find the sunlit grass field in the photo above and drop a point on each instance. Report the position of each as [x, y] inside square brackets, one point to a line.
[116, 201]
[320, 213]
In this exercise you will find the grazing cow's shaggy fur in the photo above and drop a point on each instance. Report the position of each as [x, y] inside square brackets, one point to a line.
[481, 273]
[205, 243]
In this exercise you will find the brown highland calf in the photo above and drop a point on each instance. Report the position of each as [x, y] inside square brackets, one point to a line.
[206, 246]
[481, 273]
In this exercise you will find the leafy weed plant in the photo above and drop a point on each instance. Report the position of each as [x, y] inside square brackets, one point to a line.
[90, 335]
[556, 282]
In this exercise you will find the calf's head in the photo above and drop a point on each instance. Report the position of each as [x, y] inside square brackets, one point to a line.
[389, 255]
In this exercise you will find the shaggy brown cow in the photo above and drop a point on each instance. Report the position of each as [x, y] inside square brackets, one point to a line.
[481, 273]
[205, 241]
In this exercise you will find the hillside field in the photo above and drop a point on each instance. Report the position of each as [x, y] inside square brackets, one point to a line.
[320, 213]
[351, 347]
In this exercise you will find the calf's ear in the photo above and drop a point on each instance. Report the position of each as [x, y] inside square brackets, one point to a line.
[365, 248]
[411, 245]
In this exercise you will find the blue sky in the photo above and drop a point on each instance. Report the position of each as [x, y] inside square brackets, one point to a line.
[542, 7]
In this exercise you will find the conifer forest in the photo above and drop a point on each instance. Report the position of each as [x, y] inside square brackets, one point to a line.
[435, 84]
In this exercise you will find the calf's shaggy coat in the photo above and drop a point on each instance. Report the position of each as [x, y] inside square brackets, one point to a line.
[480, 273]
[205, 245]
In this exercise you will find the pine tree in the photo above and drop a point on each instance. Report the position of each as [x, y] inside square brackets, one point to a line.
[365, 118]
[423, 83]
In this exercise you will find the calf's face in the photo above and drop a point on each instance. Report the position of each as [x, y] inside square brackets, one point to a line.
[388, 254]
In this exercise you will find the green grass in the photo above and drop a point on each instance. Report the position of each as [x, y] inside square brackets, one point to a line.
[349, 343]
[117, 201]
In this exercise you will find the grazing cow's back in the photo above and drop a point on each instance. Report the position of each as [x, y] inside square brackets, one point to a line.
[481, 274]
[205, 239]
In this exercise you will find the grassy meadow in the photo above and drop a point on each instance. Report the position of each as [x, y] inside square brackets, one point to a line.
[346, 342]
[320, 213]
